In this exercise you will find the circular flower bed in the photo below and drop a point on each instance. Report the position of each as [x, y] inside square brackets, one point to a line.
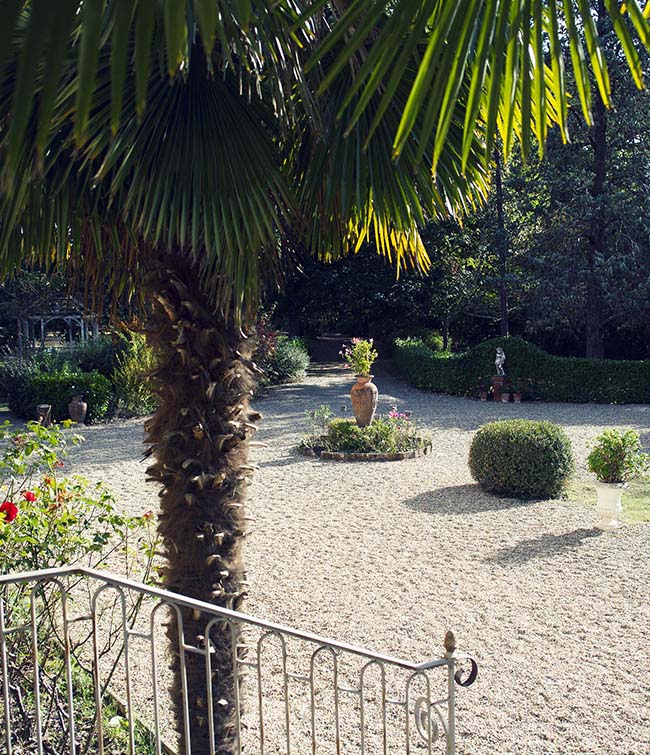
[389, 438]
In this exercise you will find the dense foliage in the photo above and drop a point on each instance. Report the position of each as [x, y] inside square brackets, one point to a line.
[617, 457]
[539, 375]
[110, 372]
[521, 458]
[131, 389]
[280, 359]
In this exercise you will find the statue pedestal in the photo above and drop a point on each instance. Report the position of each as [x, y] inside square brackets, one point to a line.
[498, 383]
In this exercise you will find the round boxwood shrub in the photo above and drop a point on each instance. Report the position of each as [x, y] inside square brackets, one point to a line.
[521, 458]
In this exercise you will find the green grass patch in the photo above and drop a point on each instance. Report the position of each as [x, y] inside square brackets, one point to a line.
[635, 499]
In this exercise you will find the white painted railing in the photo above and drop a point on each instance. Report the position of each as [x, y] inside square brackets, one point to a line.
[300, 693]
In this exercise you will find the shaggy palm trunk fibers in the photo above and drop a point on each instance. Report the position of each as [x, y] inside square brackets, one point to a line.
[199, 439]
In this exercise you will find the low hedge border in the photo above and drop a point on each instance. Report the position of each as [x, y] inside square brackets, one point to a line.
[542, 375]
[56, 389]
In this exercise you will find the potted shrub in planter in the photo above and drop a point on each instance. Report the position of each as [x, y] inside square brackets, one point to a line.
[505, 393]
[615, 459]
[482, 390]
[516, 393]
[360, 356]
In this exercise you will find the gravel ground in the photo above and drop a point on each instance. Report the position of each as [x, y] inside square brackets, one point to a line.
[391, 555]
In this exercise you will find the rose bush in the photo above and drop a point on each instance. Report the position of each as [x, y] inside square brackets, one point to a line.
[49, 519]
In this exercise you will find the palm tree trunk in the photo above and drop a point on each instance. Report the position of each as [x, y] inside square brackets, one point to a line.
[199, 439]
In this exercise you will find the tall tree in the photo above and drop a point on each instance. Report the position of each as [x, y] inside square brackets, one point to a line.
[125, 154]
[501, 242]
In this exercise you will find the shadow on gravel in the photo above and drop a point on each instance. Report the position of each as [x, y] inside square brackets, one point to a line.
[545, 546]
[108, 444]
[285, 461]
[459, 500]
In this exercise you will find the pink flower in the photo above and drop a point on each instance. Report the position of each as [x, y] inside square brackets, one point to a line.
[29, 496]
[10, 510]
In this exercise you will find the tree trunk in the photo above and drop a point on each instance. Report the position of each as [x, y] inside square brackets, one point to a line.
[445, 335]
[502, 244]
[594, 315]
[199, 438]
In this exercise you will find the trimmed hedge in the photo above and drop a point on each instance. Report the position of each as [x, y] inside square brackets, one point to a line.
[521, 458]
[57, 388]
[541, 375]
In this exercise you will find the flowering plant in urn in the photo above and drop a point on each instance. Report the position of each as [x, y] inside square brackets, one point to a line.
[360, 356]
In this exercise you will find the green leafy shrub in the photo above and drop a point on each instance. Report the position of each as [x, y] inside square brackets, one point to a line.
[100, 354]
[57, 388]
[285, 361]
[48, 520]
[539, 374]
[521, 458]
[132, 389]
[389, 434]
[617, 457]
[432, 339]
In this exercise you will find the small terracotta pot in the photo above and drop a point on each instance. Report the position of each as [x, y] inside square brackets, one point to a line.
[505, 398]
[516, 397]
[483, 395]
[363, 396]
[78, 409]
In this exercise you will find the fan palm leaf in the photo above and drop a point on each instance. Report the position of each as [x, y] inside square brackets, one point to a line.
[502, 45]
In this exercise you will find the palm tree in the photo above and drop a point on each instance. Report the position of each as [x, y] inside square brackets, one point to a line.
[179, 151]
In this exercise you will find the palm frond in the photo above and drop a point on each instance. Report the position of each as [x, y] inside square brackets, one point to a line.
[350, 188]
[503, 47]
[198, 174]
[254, 39]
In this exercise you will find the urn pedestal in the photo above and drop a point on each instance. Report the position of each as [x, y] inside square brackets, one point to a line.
[498, 385]
[608, 508]
[363, 396]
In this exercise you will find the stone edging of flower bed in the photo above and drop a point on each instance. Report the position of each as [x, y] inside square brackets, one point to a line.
[399, 456]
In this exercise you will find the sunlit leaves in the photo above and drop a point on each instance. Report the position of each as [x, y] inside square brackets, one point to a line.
[506, 48]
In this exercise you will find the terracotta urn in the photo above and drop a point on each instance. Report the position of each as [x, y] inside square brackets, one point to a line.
[364, 396]
[78, 408]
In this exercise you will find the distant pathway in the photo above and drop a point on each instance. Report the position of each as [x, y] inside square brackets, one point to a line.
[390, 555]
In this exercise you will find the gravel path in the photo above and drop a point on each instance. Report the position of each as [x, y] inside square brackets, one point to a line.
[390, 555]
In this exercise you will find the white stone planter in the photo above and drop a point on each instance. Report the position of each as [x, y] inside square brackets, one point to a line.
[609, 507]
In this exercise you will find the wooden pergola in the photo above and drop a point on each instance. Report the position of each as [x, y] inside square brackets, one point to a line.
[32, 328]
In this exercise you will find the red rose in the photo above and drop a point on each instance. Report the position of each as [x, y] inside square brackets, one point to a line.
[29, 496]
[10, 510]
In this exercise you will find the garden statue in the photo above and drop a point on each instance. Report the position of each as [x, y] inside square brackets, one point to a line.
[500, 361]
